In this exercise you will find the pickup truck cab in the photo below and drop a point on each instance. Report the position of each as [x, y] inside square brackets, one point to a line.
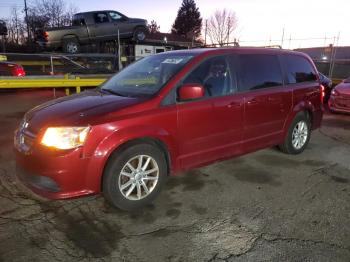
[89, 27]
[165, 113]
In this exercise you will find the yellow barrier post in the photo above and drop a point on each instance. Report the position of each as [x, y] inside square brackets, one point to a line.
[66, 76]
[77, 88]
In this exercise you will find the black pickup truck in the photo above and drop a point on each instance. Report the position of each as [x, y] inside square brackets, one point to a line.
[89, 27]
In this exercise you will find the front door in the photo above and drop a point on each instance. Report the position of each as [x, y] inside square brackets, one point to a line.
[121, 23]
[210, 129]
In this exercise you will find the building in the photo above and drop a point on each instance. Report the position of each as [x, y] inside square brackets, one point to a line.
[332, 61]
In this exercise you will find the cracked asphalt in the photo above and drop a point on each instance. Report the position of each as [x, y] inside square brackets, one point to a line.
[265, 206]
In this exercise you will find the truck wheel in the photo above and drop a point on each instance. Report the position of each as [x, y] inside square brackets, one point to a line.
[71, 46]
[140, 34]
[134, 176]
[298, 135]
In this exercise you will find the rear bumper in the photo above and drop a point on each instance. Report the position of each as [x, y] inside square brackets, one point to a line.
[47, 45]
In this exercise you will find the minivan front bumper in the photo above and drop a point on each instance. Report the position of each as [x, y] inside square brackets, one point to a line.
[52, 175]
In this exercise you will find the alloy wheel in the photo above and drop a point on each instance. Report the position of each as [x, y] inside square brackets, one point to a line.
[300, 135]
[72, 48]
[139, 177]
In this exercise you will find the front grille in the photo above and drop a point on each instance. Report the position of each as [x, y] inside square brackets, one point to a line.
[343, 102]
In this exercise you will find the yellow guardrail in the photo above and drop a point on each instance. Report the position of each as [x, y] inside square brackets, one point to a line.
[66, 82]
[336, 81]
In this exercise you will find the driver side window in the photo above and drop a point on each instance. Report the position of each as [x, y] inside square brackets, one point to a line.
[214, 74]
[115, 16]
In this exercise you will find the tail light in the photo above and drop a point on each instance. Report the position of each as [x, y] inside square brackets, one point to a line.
[46, 35]
[19, 71]
[322, 92]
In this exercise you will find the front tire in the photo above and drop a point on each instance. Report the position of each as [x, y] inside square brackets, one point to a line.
[298, 135]
[134, 176]
[140, 34]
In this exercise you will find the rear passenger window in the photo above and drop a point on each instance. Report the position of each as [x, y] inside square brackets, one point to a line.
[259, 71]
[298, 69]
[101, 18]
[78, 20]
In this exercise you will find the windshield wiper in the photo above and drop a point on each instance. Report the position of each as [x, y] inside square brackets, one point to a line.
[102, 90]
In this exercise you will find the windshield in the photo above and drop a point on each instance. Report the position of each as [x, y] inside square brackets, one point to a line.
[147, 76]
[347, 80]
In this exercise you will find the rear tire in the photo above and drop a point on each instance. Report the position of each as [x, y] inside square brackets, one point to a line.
[71, 46]
[125, 180]
[298, 135]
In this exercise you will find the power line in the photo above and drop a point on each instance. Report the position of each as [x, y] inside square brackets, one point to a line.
[292, 39]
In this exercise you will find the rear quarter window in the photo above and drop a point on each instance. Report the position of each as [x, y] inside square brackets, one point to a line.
[298, 69]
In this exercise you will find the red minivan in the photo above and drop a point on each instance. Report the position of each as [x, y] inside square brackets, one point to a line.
[169, 112]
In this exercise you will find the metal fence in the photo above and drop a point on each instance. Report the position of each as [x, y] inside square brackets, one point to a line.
[60, 64]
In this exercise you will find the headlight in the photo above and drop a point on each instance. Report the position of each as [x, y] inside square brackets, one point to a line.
[65, 137]
[334, 92]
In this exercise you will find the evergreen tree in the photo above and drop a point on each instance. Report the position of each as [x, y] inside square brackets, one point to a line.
[188, 22]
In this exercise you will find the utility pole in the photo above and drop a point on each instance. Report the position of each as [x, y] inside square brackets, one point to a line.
[205, 34]
[290, 41]
[27, 22]
[228, 31]
[282, 38]
[336, 44]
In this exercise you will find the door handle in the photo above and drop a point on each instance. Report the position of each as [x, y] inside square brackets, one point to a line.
[234, 105]
[252, 102]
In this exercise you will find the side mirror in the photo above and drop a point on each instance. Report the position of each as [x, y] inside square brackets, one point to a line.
[191, 92]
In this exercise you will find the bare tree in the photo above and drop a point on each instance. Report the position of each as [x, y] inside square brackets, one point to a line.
[54, 10]
[49, 13]
[41, 14]
[16, 28]
[221, 25]
[153, 27]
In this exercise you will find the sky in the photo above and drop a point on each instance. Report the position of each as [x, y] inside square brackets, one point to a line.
[260, 22]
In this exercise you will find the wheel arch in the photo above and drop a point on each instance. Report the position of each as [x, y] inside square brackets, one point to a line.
[137, 141]
[303, 107]
[67, 37]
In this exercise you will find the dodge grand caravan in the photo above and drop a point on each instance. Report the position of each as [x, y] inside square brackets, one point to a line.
[169, 112]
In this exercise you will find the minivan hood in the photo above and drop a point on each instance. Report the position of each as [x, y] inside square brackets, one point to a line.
[77, 110]
[343, 88]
